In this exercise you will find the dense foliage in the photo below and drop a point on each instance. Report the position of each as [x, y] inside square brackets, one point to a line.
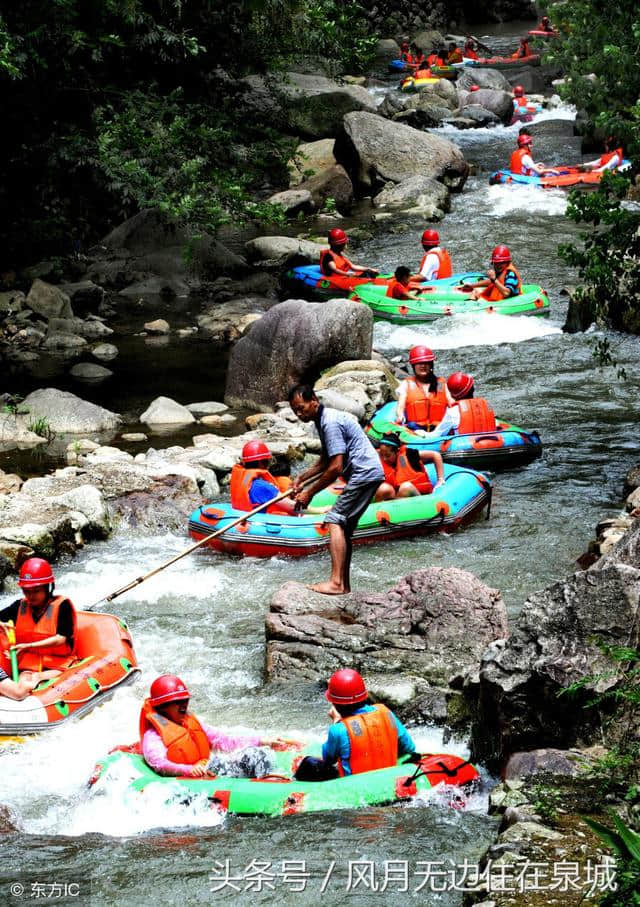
[598, 53]
[111, 105]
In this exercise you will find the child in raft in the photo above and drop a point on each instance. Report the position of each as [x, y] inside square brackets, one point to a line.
[402, 287]
[175, 743]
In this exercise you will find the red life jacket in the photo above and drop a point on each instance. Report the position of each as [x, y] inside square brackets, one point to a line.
[403, 471]
[475, 416]
[445, 268]
[186, 743]
[493, 294]
[516, 165]
[339, 261]
[241, 480]
[455, 56]
[520, 101]
[29, 630]
[423, 407]
[523, 51]
[606, 157]
[396, 291]
[373, 738]
[470, 54]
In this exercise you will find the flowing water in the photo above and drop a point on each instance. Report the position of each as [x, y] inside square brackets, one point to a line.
[204, 617]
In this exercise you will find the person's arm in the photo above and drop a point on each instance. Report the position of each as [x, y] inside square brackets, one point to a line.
[449, 422]
[17, 690]
[337, 746]
[432, 456]
[155, 755]
[405, 741]
[227, 743]
[332, 472]
[57, 640]
[319, 466]
[402, 402]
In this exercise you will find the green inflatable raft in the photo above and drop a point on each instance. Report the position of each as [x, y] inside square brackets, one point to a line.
[438, 302]
[280, 795]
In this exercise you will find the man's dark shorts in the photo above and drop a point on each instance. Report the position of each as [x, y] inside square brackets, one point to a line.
[351, 504]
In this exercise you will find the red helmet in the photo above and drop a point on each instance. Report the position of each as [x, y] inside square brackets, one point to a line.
[524, 139]
[35, 572]
[346, 687]
[167, 688]
[337, 237]
[254, 451]
[518, 91]
[405, 44]
[421, 354]
[459, 385]
[500, 253]
[430, 238]
[475, 88]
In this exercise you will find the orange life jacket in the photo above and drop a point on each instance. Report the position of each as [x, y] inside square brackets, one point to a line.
[493, 294]
[424, 407]
[523, 51]
[241, 480]
[470, 54]
[605, 158]
[186, 743]
[434, 60]
[455, 56]
[520, 102]
[373, 739]
[516, 165]
[339, 261]
[396, 290]
[445, 268]
[403, 471]
[423, 73]
[29, 630]
[475, 416]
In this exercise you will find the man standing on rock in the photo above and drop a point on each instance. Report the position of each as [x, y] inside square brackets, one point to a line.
[346, 451]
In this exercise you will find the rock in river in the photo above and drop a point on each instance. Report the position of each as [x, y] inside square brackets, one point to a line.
[65, 412]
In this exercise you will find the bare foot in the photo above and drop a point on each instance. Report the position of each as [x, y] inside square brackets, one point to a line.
[327, 589]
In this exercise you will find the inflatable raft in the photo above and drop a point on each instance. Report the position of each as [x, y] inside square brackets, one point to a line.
[567, 178]
[310, 281]
[280, 795]
[413, 84]
[508, 446]
[106, 660]
[504, 62]
[448, 71]
[541, 33]
[462, 497]
[445, 297]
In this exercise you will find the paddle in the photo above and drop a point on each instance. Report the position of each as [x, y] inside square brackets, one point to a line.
[13, 655]
[481, 44]
[240, 519]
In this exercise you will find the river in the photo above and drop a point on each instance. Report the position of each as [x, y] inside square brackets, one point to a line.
[204, 618]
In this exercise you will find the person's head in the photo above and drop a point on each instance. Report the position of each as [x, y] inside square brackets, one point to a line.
[169, 696]
[338, 239]
[389, 446]
[442, 51]
[500, 258]
[421, 358]
[430, 239]
[610, 143]
[405, 45]
[303, 401]
[518, 91]
[469, 44]
[37, 581]
[460, 386]
[256, 455]
[546, 21]
[525, 140]
[403, 275]
[346, 691]
[452, 46]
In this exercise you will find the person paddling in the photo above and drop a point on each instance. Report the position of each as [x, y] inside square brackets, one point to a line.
[523, 50]
[334, 261]
[523, 164]
[45, 625]
[362, 738]
[422, 398]
[610, 160]
[404, 473]
[252, 484]
[469, 50]
[454, 54]
[502, 281]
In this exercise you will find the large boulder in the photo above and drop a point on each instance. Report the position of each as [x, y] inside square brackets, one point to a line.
[228, 321]
[48, 301]
[282, 251]
[314, 105]
[477, 116]
[14, 432]
[359, 387]
[428, 40]
[310, 159]
[413, 642]
[295, 341]
[558, 641]
[417, 195]
[332, 183]
[386, 50]
[485, 78]
[165, 411]
[65, 412]
[375, 150]
[293, 201]
[498, 102]
[85, 296]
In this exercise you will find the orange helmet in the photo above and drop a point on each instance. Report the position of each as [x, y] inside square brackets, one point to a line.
[459, 384]
[346, 687]
[253, 451]
[421, 354]
[518, 91]
[500, 253]
[524, 139]
[337, 237]
[430, 238]
[35, 572]
[167, 688]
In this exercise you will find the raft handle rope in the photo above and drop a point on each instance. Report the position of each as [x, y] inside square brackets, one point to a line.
[203, 541]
